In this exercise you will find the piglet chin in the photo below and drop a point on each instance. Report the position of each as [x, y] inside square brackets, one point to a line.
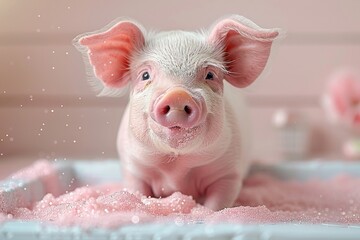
[176, 137]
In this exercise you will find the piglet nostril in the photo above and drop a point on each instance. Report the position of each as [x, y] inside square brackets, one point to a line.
[188, 109]
[166, 109]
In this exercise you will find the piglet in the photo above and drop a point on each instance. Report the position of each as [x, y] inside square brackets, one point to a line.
[180, 130]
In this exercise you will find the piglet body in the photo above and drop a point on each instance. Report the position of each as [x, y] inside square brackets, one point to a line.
[181, 131]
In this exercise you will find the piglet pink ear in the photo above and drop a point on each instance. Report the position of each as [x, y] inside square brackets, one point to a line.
[109, 52]
[246, 48]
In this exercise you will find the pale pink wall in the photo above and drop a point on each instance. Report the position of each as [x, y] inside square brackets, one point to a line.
[47, 109]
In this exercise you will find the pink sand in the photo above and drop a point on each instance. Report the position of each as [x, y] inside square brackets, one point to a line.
[263, 199]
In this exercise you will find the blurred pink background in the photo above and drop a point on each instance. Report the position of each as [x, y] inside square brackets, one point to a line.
[48, 110]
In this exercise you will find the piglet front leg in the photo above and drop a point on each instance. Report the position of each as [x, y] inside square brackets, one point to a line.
[135, 184]
[222, 193]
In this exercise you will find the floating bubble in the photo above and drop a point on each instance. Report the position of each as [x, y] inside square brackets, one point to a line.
[135, 219]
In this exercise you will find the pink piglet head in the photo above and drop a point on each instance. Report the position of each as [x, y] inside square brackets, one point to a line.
[176, 77]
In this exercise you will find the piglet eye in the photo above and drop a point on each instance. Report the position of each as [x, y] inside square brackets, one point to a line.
[145, 76]
[209, 76]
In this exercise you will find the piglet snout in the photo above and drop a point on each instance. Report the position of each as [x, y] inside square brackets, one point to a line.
[176, 108]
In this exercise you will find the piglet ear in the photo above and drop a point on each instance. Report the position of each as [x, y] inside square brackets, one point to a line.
[246, 48]
[109, 52]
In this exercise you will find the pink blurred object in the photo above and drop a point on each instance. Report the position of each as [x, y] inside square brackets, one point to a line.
[342, 98]
[351, 148]
[342, 104]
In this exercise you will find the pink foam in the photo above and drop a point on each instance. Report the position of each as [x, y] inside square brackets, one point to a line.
[43, 170]
[263, 199]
